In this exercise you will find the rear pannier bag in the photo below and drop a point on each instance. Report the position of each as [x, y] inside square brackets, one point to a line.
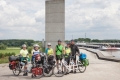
[13, 58]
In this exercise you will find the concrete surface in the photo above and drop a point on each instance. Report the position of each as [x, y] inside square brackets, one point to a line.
[97, 70]
[106, 53]
[103, 55]
[55, 21]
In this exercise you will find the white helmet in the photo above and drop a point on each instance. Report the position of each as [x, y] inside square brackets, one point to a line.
[24, 45]
[36, 45]
[49, 44]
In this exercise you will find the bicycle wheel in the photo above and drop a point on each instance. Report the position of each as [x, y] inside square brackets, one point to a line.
[59, 70]
[48, 72]
[81, 67]
[17, 70]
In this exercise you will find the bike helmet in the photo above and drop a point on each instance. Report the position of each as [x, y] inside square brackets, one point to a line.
[36, 45]
[72, 40]
[49, 44]
[59, 40]
[24, 45]
[68, 43]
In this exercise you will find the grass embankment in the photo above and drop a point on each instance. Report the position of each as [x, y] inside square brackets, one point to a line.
[4, 59]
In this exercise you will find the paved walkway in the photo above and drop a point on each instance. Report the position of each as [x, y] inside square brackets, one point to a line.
[97, 70]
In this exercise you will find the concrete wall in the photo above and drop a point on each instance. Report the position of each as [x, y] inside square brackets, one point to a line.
[55, 21]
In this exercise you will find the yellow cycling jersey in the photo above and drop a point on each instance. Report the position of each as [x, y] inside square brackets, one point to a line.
[67, 51]
[49, 51]
[24, 53]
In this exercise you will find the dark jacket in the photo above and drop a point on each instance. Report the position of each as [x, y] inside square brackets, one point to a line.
[74, 49]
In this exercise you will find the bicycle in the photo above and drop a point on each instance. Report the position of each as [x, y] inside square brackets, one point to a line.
[37, 68]
[59, 69]
[15, 64]
[71, 67]
[78, 66]
[48, 65]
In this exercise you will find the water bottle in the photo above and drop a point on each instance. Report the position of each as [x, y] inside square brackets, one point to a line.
[65, 62]
[29, 68]
[72, 63]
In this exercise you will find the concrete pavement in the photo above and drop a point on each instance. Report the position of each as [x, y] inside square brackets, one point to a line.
[97, 70]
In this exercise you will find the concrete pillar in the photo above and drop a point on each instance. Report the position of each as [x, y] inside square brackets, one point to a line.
[54, 21]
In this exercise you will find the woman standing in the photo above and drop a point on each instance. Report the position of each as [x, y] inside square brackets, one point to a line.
[67, 53]
[50, 54]
[49, 50]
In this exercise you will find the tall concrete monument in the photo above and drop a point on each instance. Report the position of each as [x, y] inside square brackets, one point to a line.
[54, 21]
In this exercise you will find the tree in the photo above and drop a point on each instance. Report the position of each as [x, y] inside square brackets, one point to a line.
[2, 46]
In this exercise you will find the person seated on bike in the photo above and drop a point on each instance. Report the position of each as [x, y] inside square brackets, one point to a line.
[35, 52]
[50, 53]
[67, 53]
[24, 54]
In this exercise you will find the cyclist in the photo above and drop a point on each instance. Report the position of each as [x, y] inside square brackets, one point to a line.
[50, 53]
[49, 50]
[59, 51]
[67, 53]
[24, 54]
[74, 51]
[35, 51]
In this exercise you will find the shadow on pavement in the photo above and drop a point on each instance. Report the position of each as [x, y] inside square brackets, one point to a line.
[27, 77]
[19, 77]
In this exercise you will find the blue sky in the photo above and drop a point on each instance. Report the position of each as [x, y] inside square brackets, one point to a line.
[25, 19]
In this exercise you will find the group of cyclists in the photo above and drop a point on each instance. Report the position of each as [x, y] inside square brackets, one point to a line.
[60, 51]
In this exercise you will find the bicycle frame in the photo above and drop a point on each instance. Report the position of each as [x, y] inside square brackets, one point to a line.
[72, 66]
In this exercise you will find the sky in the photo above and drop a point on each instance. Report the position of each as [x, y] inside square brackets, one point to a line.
[25, 19]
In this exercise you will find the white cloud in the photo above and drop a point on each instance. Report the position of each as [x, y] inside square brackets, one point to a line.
[97, 18]
[26, 19]
[40, 15]
[18, 20]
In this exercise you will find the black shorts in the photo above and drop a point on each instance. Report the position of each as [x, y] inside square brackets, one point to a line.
[59, 57]
[73, 57]
[67, 60]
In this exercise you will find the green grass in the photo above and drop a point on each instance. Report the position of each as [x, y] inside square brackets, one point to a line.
[13, 47]
[5, 60]
[16, 51]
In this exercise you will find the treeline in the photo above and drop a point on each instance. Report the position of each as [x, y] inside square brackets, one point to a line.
[16, 42]
[96, 40]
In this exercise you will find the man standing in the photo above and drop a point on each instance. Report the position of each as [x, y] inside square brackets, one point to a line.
[74, 50]
[59, 50]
